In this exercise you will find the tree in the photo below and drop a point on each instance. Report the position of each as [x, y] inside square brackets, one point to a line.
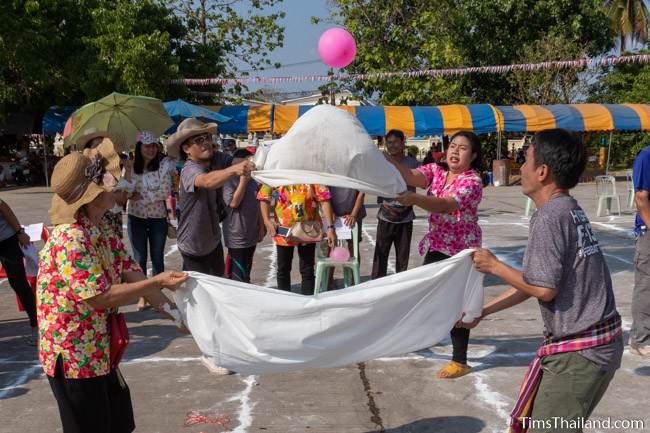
[399, 35]
[131, 49]
[625, 83]
[423, 34]
[550, 86]
[630, 20]
[221, 40]
[70, 52]
[41, 52]
[505, 32]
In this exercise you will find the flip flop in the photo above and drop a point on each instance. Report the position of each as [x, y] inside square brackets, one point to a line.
[453, 370]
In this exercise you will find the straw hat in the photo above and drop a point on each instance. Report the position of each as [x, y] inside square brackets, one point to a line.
[188, 128]
[89, 134]
[79, 178]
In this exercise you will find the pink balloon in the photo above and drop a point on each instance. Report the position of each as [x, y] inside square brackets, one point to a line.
[337, 47]
[340, 254]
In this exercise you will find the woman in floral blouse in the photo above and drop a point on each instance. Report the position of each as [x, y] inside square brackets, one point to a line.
[84, 274]
[147, 221]
[454, 191]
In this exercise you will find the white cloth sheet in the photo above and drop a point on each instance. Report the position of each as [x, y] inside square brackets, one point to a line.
[328, 146]
[252, 329]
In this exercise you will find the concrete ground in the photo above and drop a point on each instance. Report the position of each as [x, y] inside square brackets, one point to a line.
[399, 394]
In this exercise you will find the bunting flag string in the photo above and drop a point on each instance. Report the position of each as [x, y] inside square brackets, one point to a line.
[435, 73]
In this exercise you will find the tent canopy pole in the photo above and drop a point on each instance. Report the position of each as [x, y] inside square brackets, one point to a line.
[609, 150]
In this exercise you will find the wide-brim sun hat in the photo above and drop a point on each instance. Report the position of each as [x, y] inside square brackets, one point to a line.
[78, 178]
[188, 128]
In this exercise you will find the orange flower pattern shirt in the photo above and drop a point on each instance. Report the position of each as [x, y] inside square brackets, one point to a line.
[294, 203]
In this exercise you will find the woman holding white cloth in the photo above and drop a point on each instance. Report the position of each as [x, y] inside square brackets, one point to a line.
[454, 191]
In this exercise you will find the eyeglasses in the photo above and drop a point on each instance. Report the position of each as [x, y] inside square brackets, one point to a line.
[202, 139]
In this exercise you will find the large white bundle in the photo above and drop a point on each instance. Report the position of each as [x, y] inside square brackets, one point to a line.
[328, 146]
[252, 329]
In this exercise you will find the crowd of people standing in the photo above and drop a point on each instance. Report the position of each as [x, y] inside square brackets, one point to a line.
[85, 271]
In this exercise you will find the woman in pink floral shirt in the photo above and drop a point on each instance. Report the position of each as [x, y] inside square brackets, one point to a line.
[454, 191]
[84, 275]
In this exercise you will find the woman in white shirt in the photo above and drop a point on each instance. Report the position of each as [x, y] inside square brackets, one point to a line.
[147, 212]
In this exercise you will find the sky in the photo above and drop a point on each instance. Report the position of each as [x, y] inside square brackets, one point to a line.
[300, 41]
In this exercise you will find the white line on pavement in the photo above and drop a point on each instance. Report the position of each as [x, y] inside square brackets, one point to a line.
[615, 256]
[172, 250]
[245, 417]
[156, 359]
[491, 398]
[271, 275]
[371, 241]
[627, 231]
[24, 377]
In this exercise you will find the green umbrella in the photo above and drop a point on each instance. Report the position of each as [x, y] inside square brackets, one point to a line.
[122, 116]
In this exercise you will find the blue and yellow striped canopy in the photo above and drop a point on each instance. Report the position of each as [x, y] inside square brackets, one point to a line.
[245, 118]
[575, 117]
[413, 121]
[443, 119]
[446, 119]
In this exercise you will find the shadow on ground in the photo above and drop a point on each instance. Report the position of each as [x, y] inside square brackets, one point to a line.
[443, 424]
[643, 371]
[147, 340]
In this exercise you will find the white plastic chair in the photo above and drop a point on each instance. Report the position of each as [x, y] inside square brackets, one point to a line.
[630, 190]
[606, 192]
[351, 267]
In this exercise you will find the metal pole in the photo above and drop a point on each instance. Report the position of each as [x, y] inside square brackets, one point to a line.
[609, 150]
[498, 145]
[47, 179]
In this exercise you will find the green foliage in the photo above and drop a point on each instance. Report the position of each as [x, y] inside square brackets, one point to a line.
[130, 50]
[69, 52]
[41, 55]
[429, 34]
[550, 86]
[221, 41]
[412, 151]
[629, 19]
[625, 83]
[397, 35]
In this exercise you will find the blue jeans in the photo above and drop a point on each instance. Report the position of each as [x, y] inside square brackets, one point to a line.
[151, 231]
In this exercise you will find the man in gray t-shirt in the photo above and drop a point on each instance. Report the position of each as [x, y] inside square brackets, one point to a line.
[565, 270]
[198, 230]
[204, 173]
[394, 221]
[566, 255]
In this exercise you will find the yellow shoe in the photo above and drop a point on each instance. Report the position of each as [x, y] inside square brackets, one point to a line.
[453, 370]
